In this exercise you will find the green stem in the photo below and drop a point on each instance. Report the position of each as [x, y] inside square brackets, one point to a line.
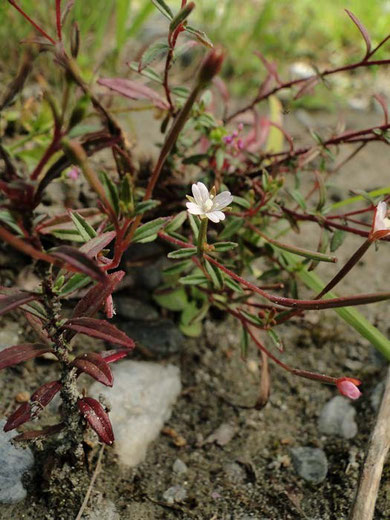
[202, 237]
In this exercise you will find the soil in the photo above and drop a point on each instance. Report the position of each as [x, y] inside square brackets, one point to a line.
[251, 476]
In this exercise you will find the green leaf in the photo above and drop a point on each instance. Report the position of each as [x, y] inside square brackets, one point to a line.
[337, 239]
[163, 8]
[111, 191]
[147, 72]
[194, 330]
[77, 281]
[177, 268]
[193, 279]
[275, 339]
[232, 227]
[83, 227]
[171, 299]
[252, 318]
[221, 247]
[7, 218]
[244, 343]
[233, 285]
[200, 36]
[152, 53]
[147, 205]
[176, 222]
[215, 275]
[181, 16]
[194, 223]
[241, 202]
[297, 196]
[182, 253]
[147, 230]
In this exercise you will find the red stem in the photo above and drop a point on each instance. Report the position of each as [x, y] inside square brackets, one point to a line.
[35, 25]
[58, 19]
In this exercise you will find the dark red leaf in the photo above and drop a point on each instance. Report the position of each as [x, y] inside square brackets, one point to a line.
[19, 417]
[110, 356]
[34, 434]
[99, 329]
[95, 245]
[19, 353]
[95, 366]
[133, 90]
[95, 297]
[45, 393]
[12, 301]
[362, 29]
[94, 413]
[80, 261]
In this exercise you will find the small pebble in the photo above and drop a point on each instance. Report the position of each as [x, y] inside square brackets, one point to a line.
[175, 494]
[179, 467]
[310, 463]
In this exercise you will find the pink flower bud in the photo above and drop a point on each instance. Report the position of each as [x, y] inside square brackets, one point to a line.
[211, 65]
[348, 387]
[109, 307]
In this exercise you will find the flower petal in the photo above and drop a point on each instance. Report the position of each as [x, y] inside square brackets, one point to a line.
[200, 192]
[222, 200]
[215, 216]
[380, 217]
[194, 209]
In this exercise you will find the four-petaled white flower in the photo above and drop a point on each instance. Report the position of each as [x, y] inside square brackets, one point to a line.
[381, 222]
[205, 204]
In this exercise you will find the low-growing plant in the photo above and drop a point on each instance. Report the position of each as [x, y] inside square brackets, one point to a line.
[258, 192]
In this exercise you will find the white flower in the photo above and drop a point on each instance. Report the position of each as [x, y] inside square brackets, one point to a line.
[381, 222]
[205, 204]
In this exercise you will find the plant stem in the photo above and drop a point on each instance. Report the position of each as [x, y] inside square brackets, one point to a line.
[202, 237]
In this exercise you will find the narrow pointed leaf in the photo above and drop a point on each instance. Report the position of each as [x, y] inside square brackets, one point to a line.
[95, 366]
[362, 29]
[110, 356]
[99, 329]
[152, 53]
[20, 416]
[83, 227]
[148, 229]
[93, 247]
[19, 353]
[79, 261]
[93, 300]
[163, 8]
[186, 252]
[133, 90]
[12, 301]
[94, 413]
[45, 393]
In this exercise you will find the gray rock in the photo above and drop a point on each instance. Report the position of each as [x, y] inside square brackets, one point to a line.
[161, 337]
[179, 467]
[133, 309]
[310, 463]
[338, 418]
[141, 401]
[376, 396]
[175, 494]
[15, 462]
[222, 435]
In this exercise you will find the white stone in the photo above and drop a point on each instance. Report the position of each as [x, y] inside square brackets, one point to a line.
[338, 418]
[141, 401]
